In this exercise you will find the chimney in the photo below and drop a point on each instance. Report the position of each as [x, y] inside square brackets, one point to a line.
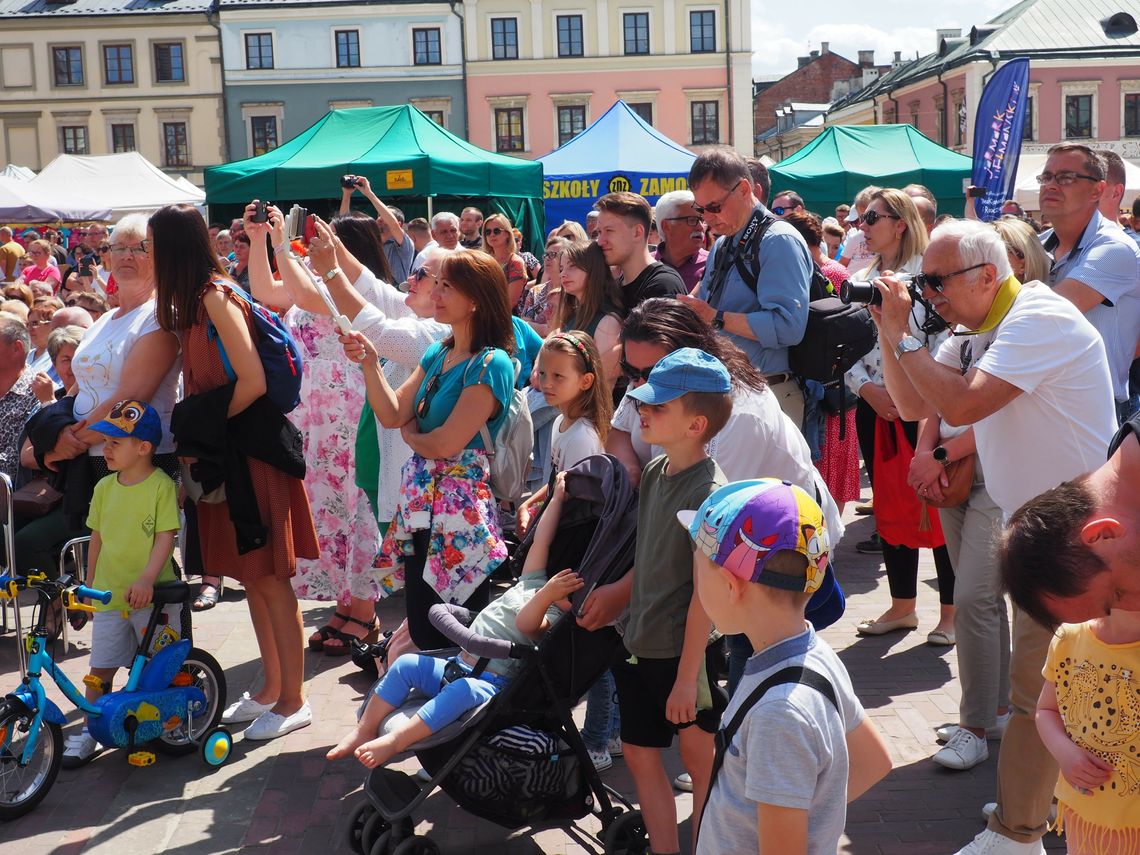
[814, 56]
[824, 47]
[866, 59]
[945, 33]
[801, 61]
[898, 58]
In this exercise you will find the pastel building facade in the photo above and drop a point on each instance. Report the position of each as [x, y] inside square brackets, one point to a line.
[540, 72]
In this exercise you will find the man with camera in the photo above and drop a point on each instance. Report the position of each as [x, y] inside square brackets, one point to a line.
[757, 275]
[1029, 372]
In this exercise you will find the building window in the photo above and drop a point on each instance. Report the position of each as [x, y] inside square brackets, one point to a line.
[175, 144]
[73, 139]
[1132, 115]
[427, 49]
[571, 122]
[67, 64]
[436, 116]
[504, 38]
[118, 64]
[706, 122]
[702, 32]
[259, 50]
[347, 49]
[636, 33]
[1027, 128]
[168, 65]
[570, 35]
[263, 129]
[1078, 116]
[645, 110]
[509, 129]
[959, 120]
[122, 138]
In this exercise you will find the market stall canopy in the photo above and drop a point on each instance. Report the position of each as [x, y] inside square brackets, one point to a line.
[1029, 166]
[844, 159]
[126, 183]
[617, 152]
[20, 173]
[401, 152]
[22, 204]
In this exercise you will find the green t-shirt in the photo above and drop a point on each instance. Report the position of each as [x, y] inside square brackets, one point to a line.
[499, 376]
[367, 451]
[498, 620]
[663, 574]
[127, 519]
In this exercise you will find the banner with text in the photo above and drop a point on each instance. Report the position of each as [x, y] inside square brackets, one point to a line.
[997, 136]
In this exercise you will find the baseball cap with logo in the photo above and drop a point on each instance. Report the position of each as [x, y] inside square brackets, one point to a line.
[136, 419]
[740, 526]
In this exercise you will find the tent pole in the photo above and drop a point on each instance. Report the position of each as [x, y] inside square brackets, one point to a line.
[429, 209]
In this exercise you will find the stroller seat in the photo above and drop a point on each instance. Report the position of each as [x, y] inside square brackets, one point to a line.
[404, 714]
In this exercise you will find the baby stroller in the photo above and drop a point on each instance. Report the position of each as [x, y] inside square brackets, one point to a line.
[519, 760]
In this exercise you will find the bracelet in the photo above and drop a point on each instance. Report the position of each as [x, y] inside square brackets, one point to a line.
[281, 247]
[331, 274]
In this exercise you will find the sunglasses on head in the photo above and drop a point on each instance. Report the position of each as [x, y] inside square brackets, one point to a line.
[936, 282]
[635, 374]
[872, 217]
[496, 231]
[716, 207]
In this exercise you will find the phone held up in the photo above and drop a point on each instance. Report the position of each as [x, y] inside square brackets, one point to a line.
[296, 221]
[260, 212]
[349, 182]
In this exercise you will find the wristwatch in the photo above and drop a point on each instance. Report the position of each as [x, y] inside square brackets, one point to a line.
[909, 344]
[941, 455]
[718, 320]
[331, 274]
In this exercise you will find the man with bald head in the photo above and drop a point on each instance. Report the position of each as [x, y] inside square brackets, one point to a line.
[10, 255]
[71, 316]
[925, 202]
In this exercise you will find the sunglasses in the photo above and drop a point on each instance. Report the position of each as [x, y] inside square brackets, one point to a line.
[635, 374]
[105, 248]
[937, 283]
[496, 231]
[691, 222]
[872, 217]
[419, 274]
[1062, 179]
[429, 392]
[715, 207]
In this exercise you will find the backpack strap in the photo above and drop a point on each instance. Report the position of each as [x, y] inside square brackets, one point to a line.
[212, 331]
[484, 430]
[751, 275]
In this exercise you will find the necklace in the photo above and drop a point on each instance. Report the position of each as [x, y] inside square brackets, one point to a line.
[453, 359]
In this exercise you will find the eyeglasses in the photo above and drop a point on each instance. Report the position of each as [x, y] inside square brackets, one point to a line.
[691, 222]
[424, 403]
[935, 282]
[105, 248]
[32, 324]
[872, 217]
[553, 253]
[496, 231]
[1062, 179]
[635, 374]
[715, 207]
[141, 249]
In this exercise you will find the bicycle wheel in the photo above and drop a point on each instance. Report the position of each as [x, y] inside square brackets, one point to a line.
[205, 673]
[23, 787]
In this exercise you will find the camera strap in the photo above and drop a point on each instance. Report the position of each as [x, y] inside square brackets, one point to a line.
[747, 248]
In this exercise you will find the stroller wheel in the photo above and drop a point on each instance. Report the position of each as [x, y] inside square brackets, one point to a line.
[354, 833]
[626, 835]
[417, 845]
[377, 831]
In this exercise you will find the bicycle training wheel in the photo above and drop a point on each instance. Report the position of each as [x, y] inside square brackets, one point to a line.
[203, 671]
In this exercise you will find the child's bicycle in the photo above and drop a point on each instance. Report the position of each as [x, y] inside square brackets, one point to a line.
[171, 702]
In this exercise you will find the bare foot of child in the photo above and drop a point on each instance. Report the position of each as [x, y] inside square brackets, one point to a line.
[377, 752]
[352, 740]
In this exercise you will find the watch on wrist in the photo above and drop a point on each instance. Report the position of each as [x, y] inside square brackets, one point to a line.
[331, 274]
[718, 320]
[909, 344]
[941, 454]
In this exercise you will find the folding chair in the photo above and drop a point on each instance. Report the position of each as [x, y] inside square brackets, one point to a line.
[8, 566]
[76, 550]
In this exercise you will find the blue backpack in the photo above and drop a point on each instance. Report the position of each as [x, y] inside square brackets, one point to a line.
[280, 356]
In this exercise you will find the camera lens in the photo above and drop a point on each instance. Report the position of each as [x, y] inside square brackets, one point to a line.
[860, 292]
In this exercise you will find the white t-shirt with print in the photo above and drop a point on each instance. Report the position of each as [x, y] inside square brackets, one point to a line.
[1061, 424]
[574, 444]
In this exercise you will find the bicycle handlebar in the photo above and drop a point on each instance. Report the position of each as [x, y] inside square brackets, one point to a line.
[103, 597]
[11, 585]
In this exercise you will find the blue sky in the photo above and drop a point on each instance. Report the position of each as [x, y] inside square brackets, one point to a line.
[782, 31]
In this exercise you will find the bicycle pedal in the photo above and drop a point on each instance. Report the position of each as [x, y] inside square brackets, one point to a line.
[141, 758]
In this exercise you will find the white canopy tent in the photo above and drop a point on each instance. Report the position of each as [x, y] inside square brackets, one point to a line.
[20, 173]
[124, 183]
[1025, 191]
[20, 203]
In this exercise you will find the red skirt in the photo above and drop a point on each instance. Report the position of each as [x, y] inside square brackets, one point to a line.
[840, 462]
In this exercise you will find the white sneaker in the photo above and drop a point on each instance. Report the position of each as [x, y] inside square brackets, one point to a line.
[80, 749]
[270, 725]
[244, 709]
[683, 782]
[992, 843]
[615, 747]
[963, 751]
[601, 759]
[946, 732]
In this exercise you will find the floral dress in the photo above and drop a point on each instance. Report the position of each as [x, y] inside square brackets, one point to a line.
[332, 394]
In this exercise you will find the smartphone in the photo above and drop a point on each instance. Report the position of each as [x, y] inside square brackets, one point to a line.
[295, 223]
[348, 182]
[86, 266]
[260, 212]
[975, 192]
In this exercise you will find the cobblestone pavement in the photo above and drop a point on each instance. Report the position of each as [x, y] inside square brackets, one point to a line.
[283, 797]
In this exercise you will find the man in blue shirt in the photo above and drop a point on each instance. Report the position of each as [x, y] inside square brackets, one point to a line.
[1094, 264]
[767, 319]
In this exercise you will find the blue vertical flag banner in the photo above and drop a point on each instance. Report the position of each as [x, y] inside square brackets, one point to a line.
[997, 136]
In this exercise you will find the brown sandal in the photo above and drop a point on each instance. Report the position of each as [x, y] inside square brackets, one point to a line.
[344, 647]
[317, 640]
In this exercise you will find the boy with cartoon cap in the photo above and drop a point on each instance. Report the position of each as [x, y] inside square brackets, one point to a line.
[133, 521]
[801, 745]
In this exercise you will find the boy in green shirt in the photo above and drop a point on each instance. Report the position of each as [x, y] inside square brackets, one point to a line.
[133, 521]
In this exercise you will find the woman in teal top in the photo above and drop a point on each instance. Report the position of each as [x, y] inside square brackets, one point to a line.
[445, 540]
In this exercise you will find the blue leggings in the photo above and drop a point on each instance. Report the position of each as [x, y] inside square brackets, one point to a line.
[448, 700]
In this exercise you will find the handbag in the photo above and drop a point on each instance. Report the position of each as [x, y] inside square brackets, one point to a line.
[960, 473]
[37, 498]
[899, 514]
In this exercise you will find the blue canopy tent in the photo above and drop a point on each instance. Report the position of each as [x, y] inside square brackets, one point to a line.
[617, 152]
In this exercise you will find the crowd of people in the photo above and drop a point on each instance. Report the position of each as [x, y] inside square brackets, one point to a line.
[661, 335]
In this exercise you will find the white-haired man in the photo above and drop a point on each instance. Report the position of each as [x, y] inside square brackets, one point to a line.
[682, 233]
[444, 234]
[1030, 373]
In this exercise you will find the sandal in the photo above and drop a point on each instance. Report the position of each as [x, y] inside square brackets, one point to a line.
[344, 648]
[317, 640]
[365, 656]
[208, 596]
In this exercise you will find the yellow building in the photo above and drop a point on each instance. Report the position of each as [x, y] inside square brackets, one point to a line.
[107, 76]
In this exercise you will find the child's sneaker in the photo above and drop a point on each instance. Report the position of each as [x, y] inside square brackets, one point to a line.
[80, 749]
[614, 747]
[683, 782]
[600, 758]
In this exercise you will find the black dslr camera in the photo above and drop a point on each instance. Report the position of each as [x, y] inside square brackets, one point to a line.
[348, 182]
[866, 293]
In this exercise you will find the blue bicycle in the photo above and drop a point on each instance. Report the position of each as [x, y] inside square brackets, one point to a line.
[172, 701]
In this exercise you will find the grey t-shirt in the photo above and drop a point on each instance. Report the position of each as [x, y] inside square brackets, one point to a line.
[400, 257]
[790, 751]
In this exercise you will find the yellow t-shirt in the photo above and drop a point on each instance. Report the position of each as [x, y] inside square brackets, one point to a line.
[1098, 696]
[127, 519]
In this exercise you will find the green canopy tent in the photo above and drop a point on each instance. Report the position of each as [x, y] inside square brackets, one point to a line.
[844, 159]
[404, 155]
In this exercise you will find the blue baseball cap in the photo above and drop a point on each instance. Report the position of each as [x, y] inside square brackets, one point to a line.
[682, 371]
[136, 419]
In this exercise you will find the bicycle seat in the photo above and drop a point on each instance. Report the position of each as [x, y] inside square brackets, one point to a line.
[171, 592]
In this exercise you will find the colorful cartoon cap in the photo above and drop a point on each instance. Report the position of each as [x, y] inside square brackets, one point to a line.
[742, 524]
[136, 419]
